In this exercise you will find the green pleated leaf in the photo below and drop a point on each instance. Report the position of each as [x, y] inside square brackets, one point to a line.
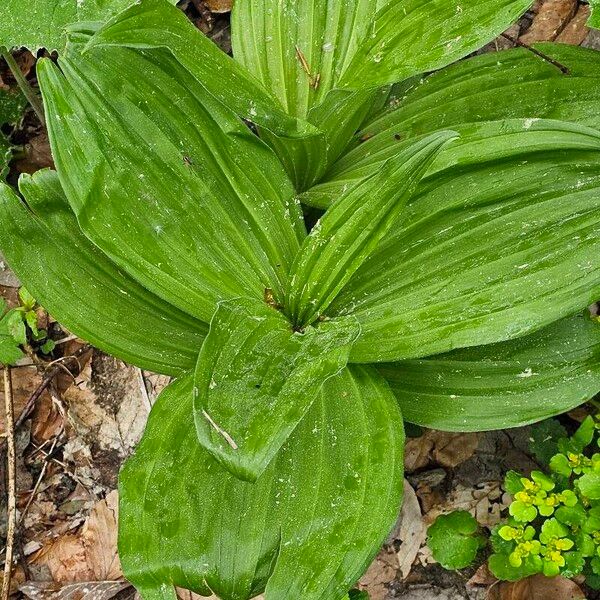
[508, 384]
[499, 240]
[415, 36]
[166, 181]
[156, 24]
[338, 117]
[306, 529]
[298, 50]
[83, 289]
[493, 86]
[304, 52]
[352, 228]
[256, 377]
[39, 24]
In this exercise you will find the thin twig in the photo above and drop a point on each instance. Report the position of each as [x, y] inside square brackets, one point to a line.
[143, 388]
[564, 70]
[46, 381]
[12, 486]
[27, 90]
[40, 478]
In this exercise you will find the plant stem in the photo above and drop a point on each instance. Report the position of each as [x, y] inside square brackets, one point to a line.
[27, 90]
[12, 504]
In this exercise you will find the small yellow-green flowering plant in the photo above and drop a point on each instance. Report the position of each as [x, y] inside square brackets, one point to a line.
[554, 523]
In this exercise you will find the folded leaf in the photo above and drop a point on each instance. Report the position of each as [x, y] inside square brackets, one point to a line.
[83, 289]
[508, 384]
[256, 377]
[157, 24]
[298, 50]
[304, 51]
[500, 240]
[492, 86]
[186, 521]
[166, 181]
[338, 117]
[351, 229]
[39, 24]
[416, 36]
[12, 334]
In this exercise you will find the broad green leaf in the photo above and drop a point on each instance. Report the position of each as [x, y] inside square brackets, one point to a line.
[453, 541]
[83, 289]
[306, 529]
[39, 24]
[298, 50]
[353, 227]
[256, 377]
[499, 240]
[508, 384]
[301, 51]
[415, 36]
[304, 52]
[338, 117]
[493, 86]
[12, 333]
[166, 181]
[156, 24]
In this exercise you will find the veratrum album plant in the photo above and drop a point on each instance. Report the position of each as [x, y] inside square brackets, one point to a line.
[446, 282]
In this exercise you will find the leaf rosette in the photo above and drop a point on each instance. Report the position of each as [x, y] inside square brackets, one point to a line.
[446, 280]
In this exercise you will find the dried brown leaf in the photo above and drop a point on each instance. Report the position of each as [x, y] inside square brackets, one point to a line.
[219, 6]
[445, 448]
[551, 18]
[412, 531]
[65, 559]
[99, 536]
[577, 30]
[537, 587]
[379, 575]
[85, 590]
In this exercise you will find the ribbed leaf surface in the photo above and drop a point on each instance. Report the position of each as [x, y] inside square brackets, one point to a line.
[166, 181]
[302, 50]
[508, 384]
[41, 23]
[156, 24]
[351, 229]
[415, 36]
[493, 86]
[310, 524]
[499, 241]
[305, 51]
[83, 289]
[256, 378]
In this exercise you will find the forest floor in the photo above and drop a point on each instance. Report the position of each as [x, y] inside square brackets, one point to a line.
[90, 417]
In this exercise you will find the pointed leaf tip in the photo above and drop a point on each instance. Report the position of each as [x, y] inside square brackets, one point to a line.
[352, 228]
